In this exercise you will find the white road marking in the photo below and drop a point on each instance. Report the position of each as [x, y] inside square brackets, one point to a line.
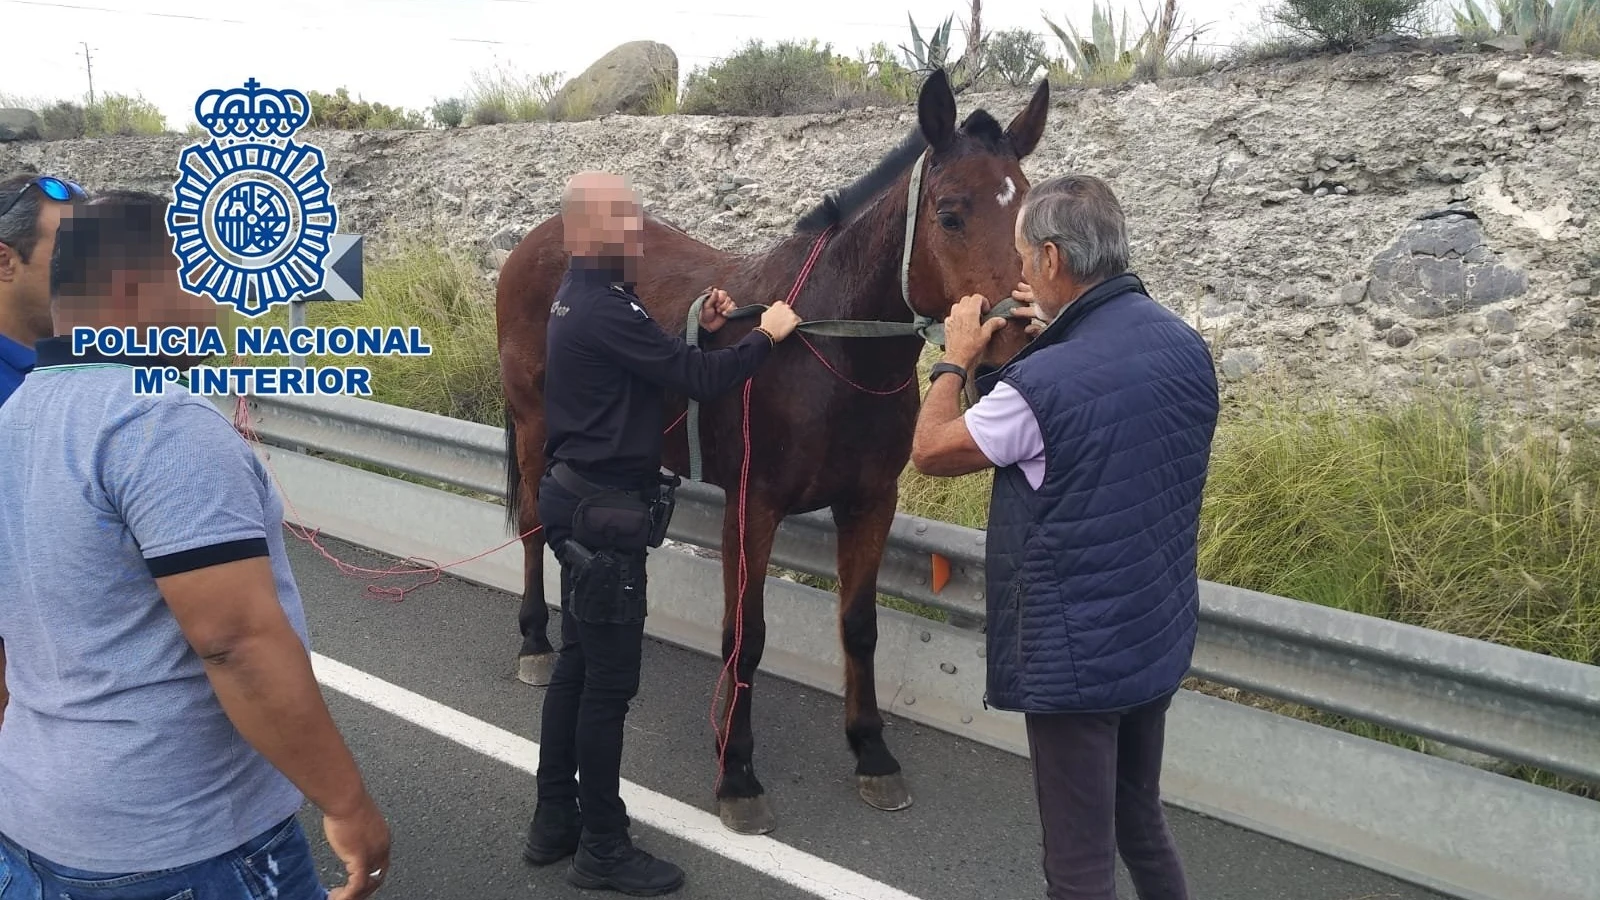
[1005, 196]
[811, 874]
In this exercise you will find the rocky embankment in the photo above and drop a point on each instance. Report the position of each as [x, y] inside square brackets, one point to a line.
[1356, 225]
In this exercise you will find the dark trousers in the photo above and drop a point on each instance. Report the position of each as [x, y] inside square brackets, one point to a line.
[1098, 782]
[586, 702]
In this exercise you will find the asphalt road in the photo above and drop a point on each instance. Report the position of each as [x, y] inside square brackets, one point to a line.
[459, 815]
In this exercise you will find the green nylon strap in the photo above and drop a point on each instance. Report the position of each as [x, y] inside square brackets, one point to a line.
[691, 333]
[925, 328]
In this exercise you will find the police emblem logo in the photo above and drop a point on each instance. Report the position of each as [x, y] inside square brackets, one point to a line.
[252, 216]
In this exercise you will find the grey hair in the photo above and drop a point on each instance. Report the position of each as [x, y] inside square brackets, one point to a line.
[1081, 216]
[19, 227]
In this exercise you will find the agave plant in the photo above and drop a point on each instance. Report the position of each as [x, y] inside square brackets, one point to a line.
[1563, 23]
[1108, 54]
[925, 56]
[1109, 57]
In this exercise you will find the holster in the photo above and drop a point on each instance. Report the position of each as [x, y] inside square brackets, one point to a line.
[607, 586]
[612, 530]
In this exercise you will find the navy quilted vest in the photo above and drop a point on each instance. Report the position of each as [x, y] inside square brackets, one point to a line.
[1093, 597]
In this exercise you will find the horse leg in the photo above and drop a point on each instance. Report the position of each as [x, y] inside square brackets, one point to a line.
[537, 658]
[863, 529]
[741, 800]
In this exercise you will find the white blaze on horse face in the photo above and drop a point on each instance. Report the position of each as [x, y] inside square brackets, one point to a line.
[1007, 193]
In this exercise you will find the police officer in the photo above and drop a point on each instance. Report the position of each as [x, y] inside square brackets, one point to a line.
[603, 502]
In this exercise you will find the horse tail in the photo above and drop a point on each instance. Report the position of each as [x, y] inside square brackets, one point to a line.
[513, 470]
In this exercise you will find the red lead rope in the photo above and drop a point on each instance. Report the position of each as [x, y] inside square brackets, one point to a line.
[732, 664]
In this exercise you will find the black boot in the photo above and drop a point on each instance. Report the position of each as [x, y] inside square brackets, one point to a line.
[553, 834]
[612, 862]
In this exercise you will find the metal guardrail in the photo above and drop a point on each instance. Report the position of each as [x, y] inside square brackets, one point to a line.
[1510, 704]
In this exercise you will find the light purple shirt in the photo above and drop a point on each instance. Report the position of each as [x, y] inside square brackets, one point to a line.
[1004, 428]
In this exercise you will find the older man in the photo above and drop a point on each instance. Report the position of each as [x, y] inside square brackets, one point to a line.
[609, 366]
[31, 207]
[1100, 433]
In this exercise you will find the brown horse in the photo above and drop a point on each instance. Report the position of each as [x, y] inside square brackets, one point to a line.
[830, 418]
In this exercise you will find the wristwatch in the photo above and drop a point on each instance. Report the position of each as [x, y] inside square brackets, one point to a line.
[942, 368]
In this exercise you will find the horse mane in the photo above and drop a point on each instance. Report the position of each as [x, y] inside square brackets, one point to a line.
[842, 205]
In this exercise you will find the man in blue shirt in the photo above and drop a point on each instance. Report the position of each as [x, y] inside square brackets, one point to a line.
[31, 208]
[164, 724]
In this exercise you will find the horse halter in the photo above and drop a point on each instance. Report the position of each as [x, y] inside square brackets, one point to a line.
[921, 325]
[928, 328]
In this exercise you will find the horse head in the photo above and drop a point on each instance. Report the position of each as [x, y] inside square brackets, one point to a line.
[971, 190]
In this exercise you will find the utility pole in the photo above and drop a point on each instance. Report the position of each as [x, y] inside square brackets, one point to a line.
[89, 65]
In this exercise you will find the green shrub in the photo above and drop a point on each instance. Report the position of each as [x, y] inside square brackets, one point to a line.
[791, 78]
[1347, 24]
[873, 77]
[1016, 55]
[449, 113]
[62, 121]
[337, 111]
[503, 95]
[111, 115]
[119, 115]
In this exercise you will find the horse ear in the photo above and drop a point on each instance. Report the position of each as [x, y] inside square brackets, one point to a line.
[936, 110]
[1028, 127]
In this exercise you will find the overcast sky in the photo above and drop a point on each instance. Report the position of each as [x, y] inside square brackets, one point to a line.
[410, 52]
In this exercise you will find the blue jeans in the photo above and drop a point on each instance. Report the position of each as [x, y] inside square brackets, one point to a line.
[275, 864]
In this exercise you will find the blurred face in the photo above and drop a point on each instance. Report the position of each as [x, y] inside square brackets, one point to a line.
[605, 219]
[141, 293]
[154, 297]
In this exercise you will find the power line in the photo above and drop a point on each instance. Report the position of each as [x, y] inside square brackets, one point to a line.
[129, 12]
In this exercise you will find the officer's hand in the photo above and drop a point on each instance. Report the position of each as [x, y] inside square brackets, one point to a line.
[779, 320]
[715, 311]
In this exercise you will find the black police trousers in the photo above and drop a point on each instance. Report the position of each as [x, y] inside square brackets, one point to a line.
[586, 702]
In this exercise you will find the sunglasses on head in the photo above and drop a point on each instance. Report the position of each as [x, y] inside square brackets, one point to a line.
[54, 188]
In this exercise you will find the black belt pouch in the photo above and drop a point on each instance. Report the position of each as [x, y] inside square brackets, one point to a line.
[616, 528]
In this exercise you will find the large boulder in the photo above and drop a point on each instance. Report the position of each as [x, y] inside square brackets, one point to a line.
[1442, 264]
[633, 79]
[19, 125]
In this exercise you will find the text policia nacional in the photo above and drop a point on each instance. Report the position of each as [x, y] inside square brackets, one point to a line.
[254, 341]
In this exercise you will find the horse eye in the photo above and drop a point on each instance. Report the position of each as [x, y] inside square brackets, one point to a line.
[949, 221]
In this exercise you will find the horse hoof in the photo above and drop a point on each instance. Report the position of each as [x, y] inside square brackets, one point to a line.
[746, 815]
[536, 669]
[885, 792]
